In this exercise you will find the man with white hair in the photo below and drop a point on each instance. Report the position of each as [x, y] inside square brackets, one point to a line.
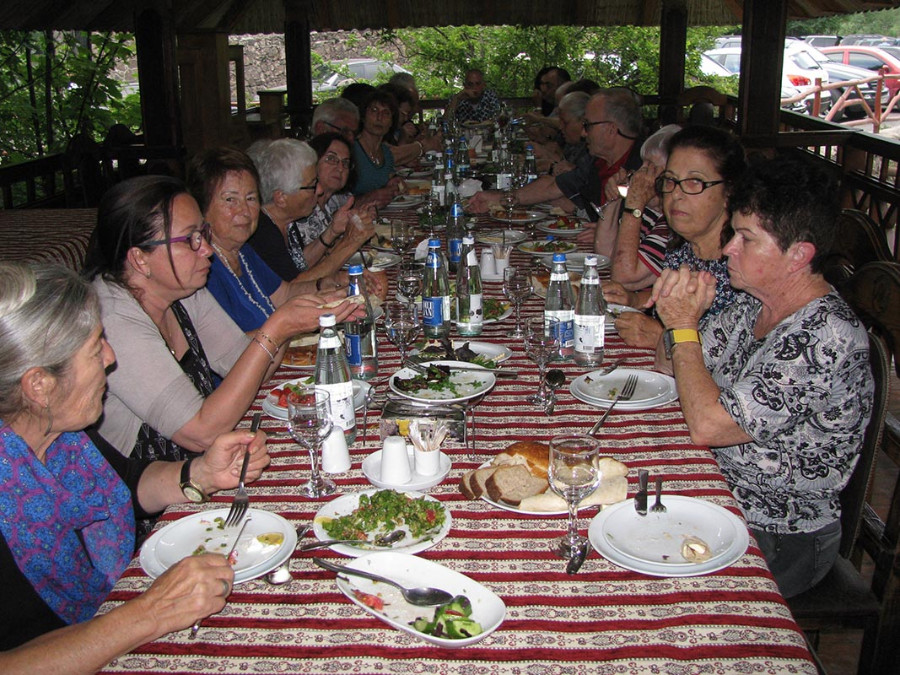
[336, 115]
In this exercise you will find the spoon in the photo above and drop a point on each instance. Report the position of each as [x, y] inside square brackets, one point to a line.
[282, 574]
[555, 379]
[424, 596]
[385, 540]
[577, 558]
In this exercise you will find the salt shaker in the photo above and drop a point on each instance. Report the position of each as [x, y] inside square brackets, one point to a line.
[488, 268]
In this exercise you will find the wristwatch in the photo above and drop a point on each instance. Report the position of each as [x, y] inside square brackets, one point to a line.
[191, 491]
[637, 213]
[675, 336]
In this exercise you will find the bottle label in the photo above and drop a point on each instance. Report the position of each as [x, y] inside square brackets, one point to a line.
[590, 333]
[330, 342]
[473, 313]
[559, 276]
[454, 247]
[566, 330]
[434, 310]
[353, 348]
[472, 258]
[342, 413]
[503, 180]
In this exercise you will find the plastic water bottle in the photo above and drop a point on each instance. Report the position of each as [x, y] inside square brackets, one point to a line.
[560, 305]
[463, 167]
[505, 164]
[469, 312]
[436, 293]
[590, 317]
[455, 226]
[530, 167]
[359, 334]
[437, 177]
[333, 376]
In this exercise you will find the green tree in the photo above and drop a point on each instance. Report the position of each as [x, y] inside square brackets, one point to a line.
[57, 85]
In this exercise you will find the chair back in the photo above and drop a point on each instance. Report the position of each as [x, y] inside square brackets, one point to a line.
[858, 241]
[874, 294]
[853, 496]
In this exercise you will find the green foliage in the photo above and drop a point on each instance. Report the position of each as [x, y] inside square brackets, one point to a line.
[58, 85]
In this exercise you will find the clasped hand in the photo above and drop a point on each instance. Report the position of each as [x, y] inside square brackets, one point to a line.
[682, 296]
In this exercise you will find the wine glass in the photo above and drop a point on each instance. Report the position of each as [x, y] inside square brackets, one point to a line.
[410, 280]
[508, 200]
[401, 323]
[573, 475]
[309, 421]
[542, 344]
[401, 236]
[517, 287]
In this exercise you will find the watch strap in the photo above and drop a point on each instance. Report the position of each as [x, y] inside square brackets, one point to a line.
[675, 336]
[189, 488]
[637, 213]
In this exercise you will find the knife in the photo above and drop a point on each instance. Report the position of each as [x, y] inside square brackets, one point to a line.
[640, 499]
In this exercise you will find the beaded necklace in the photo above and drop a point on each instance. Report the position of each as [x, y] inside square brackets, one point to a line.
[246, 268]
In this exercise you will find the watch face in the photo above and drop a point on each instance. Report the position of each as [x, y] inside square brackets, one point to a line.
[192, 494]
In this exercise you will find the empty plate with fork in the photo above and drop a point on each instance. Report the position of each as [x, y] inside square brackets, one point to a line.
[651, 389]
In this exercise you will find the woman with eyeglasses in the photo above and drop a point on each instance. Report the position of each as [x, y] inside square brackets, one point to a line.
[185, 372]
[225, 183]
[286, 204]
[704, 163]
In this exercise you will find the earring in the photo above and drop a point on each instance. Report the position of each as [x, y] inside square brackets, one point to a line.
[49, 420]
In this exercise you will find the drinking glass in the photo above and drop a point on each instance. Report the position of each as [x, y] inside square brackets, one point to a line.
[309, 421]
[401, 323]
[573, 475]
[410, 280]
[508, 200]
[542, 344]
[401, 237]
[517, 287]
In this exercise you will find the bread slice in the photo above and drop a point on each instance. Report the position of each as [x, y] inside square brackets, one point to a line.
[536, 456]
[472, 483]
[513, 483]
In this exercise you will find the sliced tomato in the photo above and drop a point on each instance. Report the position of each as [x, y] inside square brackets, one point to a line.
[369, 600]
[430, 515]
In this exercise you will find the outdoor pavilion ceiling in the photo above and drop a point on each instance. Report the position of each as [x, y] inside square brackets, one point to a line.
[268, 16]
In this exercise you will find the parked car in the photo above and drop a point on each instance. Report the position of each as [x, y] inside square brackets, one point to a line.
[868, 40]
[870, 58]
[822, 40]
[331, 77]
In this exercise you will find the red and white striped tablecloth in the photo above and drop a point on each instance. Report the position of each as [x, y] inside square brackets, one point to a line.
[602, 620]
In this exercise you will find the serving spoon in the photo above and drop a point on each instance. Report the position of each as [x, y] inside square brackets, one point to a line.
[385, 540]
[424, 596]
[282, 574]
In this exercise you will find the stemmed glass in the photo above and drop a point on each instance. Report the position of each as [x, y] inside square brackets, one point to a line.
[509, 200]
[410, 280]
[309, 421]
[401, 237]
[573, 475]
[541, 344]
[401, 323]
[517, 287]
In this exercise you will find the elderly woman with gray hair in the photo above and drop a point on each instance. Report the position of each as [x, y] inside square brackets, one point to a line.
[286, 204]
[69, 499]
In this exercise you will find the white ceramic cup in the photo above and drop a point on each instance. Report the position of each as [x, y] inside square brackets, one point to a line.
[501, 257]
[395, 468]
[427, 463]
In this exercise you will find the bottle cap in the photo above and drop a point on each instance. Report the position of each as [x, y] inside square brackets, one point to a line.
[327, 321]
[559, 257]
[468, 239]
[590, 260]
[434, 243]
[354, 269]
[550, 237]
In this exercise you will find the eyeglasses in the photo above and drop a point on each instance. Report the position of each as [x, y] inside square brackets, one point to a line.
[343, 131]
[195, 239]
[689, 186]
[587, 125]
[311, 186]
[334, 160]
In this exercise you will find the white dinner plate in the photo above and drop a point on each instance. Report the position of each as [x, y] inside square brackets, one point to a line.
[408, 570]
[412, 173]
[377, 261]
[272, 409]
[651, 544]
[345, 504]
[612, 313]
[371, 468]
[185, 536]
[405, 201]
[534, 248]
[504, 315]
[515, 509]
[528, 217]
[488, 350]
[575, 261]
[483, 383]
[549, 227]
[496, 237]
[653, 389]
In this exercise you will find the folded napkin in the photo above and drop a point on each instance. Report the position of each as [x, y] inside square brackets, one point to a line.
[469, 187]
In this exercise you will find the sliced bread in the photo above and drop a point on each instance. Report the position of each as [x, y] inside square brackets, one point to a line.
[472, 483]
[511, 484]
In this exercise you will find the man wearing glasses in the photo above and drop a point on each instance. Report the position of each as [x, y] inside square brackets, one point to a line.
[474, 103]
[612, 128]
[336, 115]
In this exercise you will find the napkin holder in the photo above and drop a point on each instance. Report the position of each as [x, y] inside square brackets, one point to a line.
[396, 416]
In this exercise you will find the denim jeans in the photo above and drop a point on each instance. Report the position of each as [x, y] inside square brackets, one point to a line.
[799, 561]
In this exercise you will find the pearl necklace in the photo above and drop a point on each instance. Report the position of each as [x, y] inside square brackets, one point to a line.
[244, 267]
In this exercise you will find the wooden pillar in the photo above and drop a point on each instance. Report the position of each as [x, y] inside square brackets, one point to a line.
[672, 48]
[154, 36]
[205, 89]
[762, 54]
[297, 58]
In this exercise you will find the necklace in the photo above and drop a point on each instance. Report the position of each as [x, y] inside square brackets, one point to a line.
[246, 268]
[373, 155]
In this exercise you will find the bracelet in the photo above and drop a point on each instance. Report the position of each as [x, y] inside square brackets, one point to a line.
[266, 350]
[265, 337]
[421, 148]
[322, 241]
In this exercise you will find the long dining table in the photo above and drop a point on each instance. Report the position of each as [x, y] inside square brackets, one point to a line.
[604, 619]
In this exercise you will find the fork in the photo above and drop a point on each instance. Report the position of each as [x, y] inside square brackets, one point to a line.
[624, 395]
[658, 506]
[241, 501]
